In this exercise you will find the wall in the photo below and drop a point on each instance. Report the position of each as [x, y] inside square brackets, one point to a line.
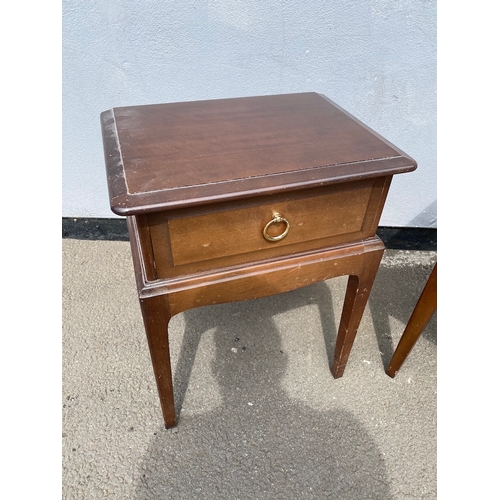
[375, 58]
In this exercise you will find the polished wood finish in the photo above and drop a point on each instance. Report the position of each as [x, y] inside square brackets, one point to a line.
[424, 309]
[239, 230]
[358, 290]
[174, 155]
[227, 234]
[156, 314]
[199, 181]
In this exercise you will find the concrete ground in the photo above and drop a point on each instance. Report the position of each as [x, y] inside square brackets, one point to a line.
[260, 416]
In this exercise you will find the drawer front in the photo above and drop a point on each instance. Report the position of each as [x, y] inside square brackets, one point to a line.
[227, 234]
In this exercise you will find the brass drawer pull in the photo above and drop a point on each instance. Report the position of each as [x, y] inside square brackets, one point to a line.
[276, 220]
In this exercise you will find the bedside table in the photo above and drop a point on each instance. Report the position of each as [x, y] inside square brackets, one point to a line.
[235, 199]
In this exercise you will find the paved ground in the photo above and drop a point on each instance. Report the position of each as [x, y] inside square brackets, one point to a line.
[260, 416]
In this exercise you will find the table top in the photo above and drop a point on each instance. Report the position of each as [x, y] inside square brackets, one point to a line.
[163, 156]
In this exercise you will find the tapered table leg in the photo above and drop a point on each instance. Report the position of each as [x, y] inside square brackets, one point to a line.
[425, 308]
[156, 316]
[357, 293]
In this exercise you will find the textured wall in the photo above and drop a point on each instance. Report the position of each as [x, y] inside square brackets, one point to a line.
[375, 58]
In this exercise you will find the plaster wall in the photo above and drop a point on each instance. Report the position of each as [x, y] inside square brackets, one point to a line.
[375, 58]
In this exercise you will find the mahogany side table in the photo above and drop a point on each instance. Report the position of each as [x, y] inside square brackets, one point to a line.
[234, 199]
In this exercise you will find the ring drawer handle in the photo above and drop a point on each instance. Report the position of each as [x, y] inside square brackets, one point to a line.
[276, 220]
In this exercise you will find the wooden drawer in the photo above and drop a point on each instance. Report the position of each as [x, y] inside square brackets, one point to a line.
[196, 239]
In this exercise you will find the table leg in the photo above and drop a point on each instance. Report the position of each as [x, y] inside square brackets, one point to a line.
[357, 293]
[359, 261]
[425, 308]
[156, 316]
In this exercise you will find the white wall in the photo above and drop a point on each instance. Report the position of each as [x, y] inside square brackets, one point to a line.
[375, 58]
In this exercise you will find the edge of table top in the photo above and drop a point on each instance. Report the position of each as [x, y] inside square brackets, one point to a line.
[126, 202]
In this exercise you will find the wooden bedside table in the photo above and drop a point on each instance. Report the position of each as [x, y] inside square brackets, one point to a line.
[235, 199]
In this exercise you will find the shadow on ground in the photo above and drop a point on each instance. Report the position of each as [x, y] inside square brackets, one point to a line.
[257, 442]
